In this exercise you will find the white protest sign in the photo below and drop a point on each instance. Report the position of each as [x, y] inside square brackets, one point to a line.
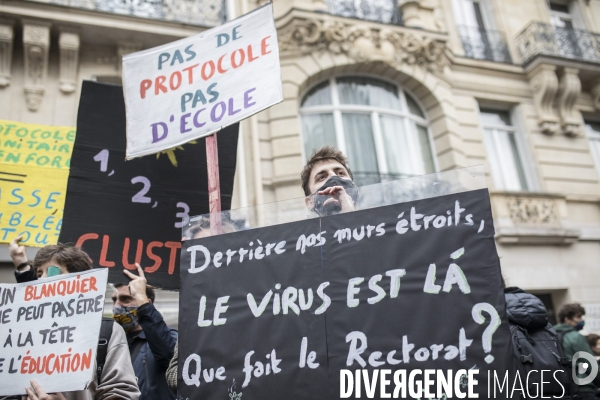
[195, 86]
[49, 331]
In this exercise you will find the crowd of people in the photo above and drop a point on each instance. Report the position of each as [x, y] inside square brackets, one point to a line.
[140, 357]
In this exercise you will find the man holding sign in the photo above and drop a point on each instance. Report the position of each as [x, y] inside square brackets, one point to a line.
[111, 377]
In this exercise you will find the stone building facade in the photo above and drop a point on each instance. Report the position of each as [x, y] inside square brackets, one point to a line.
[404, 87]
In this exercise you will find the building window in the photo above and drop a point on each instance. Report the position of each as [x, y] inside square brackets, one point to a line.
[504, 153]
[382, 130]
[592, 130]
[475, 25]
[565, 23]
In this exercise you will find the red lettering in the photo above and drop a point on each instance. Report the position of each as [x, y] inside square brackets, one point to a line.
[174, 246]
[157, 260]
[206, 76]
[159, 84]
[83, 238]
[86, 360]
[242, 58]
[138, 253]
[24, 364]
[144, 86]
[264, 45]
[84, 288]
[172, 85]
[93, 284]
[219, 67]
[103, 261]
[190, 74]
[250, 58]
[29, 292]
[50, 357]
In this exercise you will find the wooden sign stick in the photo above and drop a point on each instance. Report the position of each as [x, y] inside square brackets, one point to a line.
[214, 186]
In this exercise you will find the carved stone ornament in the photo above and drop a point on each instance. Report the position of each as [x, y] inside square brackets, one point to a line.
[6, 44]
[68, 43]
[362, 43]
[569, 90]
[36, 43]
[532, 210]
[544, 83]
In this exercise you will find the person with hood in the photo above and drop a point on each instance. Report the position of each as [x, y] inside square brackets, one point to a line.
[536, 347]
[571, 322]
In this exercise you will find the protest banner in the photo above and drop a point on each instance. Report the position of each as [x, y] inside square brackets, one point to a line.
[50, 332]
[195, 86]
[34, 166]
[279, 311]
[122, 212]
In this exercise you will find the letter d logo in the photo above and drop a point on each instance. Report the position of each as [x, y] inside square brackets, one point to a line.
[581, 367]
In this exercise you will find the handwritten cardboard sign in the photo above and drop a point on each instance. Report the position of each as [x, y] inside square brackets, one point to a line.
[49, 331]
[34, 166]
[279, 311]
[195, 86]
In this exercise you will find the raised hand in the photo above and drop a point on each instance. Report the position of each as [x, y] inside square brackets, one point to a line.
[137, 286]
[17, 252]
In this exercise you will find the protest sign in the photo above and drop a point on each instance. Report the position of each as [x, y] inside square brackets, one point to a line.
[34, 166]
[122, 212]
[279, 311]
[195, 86]
[50, 331]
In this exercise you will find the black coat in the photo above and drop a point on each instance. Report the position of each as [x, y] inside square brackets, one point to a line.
[150, 364]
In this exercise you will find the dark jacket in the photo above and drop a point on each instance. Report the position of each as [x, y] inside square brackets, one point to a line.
[157, 347]
[524, 309]
[26, 276]
[573, 342]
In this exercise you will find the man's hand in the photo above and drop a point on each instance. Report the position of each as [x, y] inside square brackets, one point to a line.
[17, 252]
[137, 286]
[35, 392]
[338, 195]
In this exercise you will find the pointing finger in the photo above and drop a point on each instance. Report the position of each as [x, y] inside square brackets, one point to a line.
[140, 270]
[130, 275]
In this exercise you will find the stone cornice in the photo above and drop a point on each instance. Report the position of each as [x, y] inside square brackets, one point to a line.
[303, 32]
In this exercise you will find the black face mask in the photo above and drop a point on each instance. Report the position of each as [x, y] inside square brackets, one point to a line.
[332, 209]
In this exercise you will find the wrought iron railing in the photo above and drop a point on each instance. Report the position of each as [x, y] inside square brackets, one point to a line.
[484, 44]
[194, 12]
[544, 39]
[385, 11]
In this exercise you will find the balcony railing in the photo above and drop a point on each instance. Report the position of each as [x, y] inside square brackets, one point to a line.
[384, 11]
[544, 39]
[484, 44]
[193, 12]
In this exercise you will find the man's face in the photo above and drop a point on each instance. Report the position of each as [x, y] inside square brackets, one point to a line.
[42, 271]
[322, 171]
[574, 321]
[122, 297]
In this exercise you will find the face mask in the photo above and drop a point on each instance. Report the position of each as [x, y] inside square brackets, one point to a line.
[53, 271]
[332, 209]
[126, 317]
[579, 325]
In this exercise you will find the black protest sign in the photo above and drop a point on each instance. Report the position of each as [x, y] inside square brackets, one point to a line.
[122, 212]
[410, 286]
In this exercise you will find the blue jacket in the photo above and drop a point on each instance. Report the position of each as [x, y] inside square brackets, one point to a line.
[150, 364]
